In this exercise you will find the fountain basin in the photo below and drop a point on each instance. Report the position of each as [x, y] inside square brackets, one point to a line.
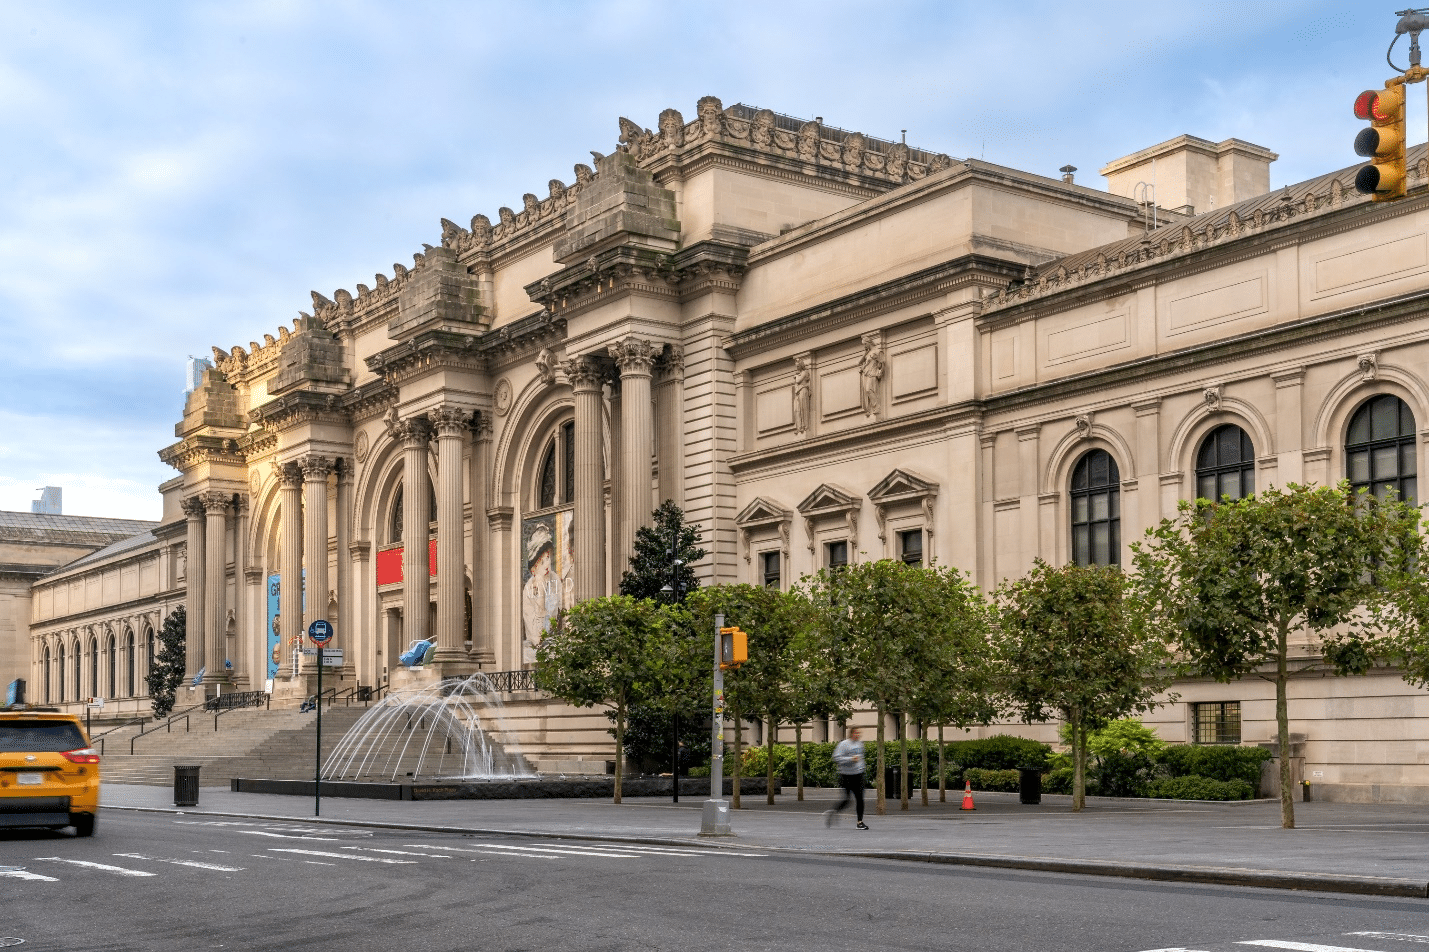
[534, 788]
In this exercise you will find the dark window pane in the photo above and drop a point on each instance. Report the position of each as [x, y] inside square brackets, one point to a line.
[1359, 467]
[1099, 463]
[1409, 490]
[1228, 445]
[1206, 487]
[1080, 508]
[547, 495]
[1081, 544]
[1079, 475]
[911, 544]
[568, 482]
[1408, 464]
[1384, 462]
[1406, 419]
[837, 554]
[39, 737]
[1384, 418]
[1359, 427]
[1206, 458]
[1115, 504]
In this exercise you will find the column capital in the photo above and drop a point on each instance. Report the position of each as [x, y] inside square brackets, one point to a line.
[193, 506]
[290, 474]
[481, 425]
[241, 504]
[216, 503]
[414, 431]
[672, 363]
[346, 471]
[316, 469]
[635, 357]
[450, 420]
[584, 373]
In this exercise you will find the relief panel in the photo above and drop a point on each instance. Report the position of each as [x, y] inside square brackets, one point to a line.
[1088, 338]
[839, 393]
[1217, 305]
[914, 372]
[1339, 271]
[774, 410]
[1005, 346]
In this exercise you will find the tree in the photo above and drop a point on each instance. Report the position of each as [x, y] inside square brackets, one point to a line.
[1231, 581]
[1068, 647]
[605, 651]
[166, 672]
[657, 548]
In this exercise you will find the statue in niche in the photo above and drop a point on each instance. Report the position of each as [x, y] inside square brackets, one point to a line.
[803, 393]
[870, 372]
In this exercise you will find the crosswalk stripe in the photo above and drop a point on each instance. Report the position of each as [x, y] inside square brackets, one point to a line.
[373, 849]
[684, 851]
[25, 874]
[1300, 946]
[184, 862]
[284, 836]
[538, 849]
[120, 870]
[1397, 936]
[365, 859]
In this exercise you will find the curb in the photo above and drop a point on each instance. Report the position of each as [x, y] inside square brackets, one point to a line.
[1212, 875]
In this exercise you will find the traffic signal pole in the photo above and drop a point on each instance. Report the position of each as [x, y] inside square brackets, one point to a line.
[714, 821]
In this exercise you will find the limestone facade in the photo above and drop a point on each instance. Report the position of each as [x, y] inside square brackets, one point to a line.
[825, 347]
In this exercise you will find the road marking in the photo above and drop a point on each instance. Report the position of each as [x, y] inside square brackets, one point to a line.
[365, 859]
[1177, 949]
[120, 870]
[1300, 946]
[25, 874]
[373, 849]
[184, 862]
[1396, 936]
[491, 852]
[284, 836]
[684, 851]
[536, 849]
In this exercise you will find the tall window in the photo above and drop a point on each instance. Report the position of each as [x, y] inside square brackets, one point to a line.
[556, 479]
[49, 677]
[910, 547]
[1225, 466]
[771, 564]
[148, 656]
[93, 670]
[394, 521]
[78, 688]
[111, 665]
[1217, 722]
[836, 554]
[1096, 510]
[129, 684]
[60, 681]
[1380, 449]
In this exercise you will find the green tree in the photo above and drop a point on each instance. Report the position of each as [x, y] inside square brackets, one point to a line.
[1068, 647]
[668, 540]
[1231, 581]
[606, 650]
[166, 671]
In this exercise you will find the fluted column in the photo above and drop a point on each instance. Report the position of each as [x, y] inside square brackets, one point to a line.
[483, 646]
[215, 612]
[243, 649]
[635, 358]
[194, 562]
[451, 424]
[316, 470]
[584, 375]
[345, 630]
[416, 560]
[290, 563]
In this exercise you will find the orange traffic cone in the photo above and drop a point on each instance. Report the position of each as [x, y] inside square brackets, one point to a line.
[968, 795]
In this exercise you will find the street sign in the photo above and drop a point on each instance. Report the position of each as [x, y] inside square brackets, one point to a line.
[332, 657]
[320, 632]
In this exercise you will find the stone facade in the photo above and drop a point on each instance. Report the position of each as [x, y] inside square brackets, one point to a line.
[824, 347]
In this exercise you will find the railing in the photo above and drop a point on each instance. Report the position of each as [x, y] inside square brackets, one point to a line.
[509, 682]
[224, 703]
[168, 724]
[100, 737]
[313, 699]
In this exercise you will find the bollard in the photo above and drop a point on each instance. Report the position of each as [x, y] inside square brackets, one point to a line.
[1029, 785]
[186, 785]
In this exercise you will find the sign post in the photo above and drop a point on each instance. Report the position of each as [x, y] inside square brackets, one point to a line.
[715, 819]
[320, 632]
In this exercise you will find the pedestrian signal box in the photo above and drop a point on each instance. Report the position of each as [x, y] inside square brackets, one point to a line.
[1383, 143]
[733, 647]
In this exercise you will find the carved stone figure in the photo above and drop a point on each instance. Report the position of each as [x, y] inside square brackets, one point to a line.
[672, 129]
[480, 230]
[870, 372]
[808, 144]
[853, 150]
[761, 133]
[546, 366]
[803, 393]
[584, 174]
[711, 112]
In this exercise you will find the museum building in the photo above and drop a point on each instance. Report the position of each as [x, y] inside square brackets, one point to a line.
[825, 347]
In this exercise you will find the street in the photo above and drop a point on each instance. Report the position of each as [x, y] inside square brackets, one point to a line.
[164, 882]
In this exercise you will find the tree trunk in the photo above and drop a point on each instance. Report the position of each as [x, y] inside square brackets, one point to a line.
[799, 758]
[880, 774]
[773, 728]
[942, 773]
[738, 760]
[923, 762]
[1282, 726]
[1079, 765]
[903, 761]
[619, 743]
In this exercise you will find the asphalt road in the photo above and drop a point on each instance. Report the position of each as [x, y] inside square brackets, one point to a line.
[161, 882]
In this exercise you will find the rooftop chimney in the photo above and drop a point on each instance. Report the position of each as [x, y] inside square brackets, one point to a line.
[1194, 175]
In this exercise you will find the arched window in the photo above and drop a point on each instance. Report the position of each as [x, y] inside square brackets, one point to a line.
[1225, 466]
[556, 478]
[129, 667]
[111, 683]
[1380, 449]
[49, 677]
[93, 670]
[1096, 510]
[78, 687]
[60, 680]
[394, 523]
[148, 656]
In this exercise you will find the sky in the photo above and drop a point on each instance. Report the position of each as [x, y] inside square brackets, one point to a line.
[180, 175]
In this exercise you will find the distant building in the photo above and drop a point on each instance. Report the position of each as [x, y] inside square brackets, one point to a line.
[196, 367]
[49, 503]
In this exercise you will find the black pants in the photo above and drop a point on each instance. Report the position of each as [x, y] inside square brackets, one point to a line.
[853, 790]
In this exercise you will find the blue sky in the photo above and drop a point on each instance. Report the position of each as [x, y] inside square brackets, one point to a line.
[179, 175]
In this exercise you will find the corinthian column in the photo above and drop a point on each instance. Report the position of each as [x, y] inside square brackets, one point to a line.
[346, 630]
[483, 648]
[316, 470]
[215, 505]
[584, 375]
[290, 561]
[416, 559]
[194, 571]
[451, 425]
[635, 358]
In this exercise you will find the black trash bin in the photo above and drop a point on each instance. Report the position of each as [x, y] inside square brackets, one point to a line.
[1029, 785]
[186, 786]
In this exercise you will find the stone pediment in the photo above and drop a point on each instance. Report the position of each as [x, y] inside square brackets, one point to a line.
[762, 512]
[901, 485]
[828, 499]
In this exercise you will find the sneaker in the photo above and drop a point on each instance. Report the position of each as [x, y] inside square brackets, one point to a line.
[862, 825]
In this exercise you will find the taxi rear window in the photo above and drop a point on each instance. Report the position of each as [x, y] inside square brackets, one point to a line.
[39, 737]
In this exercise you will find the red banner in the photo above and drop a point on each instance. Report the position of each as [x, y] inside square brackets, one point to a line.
[389, 564]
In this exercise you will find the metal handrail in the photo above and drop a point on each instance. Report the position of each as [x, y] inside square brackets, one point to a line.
[509, 682]
[313, 699]
[225, 703]
[118, 727]
[168, 725]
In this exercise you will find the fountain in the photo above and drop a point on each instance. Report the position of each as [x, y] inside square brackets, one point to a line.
[447, 730]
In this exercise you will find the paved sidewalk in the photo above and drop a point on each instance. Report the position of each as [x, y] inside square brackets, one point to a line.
[1376, 849]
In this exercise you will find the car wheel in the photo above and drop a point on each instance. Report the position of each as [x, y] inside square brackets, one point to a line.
[84, 824]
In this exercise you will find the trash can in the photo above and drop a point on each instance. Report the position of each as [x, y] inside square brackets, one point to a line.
[186, 786]
[1029, 785]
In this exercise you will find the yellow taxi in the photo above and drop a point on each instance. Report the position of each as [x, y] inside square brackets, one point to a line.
[49, 775]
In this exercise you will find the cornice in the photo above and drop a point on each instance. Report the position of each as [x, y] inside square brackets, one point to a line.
[197, 449]
[300, 408]
[925, 421]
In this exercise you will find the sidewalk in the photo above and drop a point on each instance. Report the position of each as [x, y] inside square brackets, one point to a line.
[1380, 849]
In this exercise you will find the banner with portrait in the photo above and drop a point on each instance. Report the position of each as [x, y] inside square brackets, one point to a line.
[548, 582]
[275, 653]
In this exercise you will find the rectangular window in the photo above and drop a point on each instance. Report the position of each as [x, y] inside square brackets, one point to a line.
[836, 554]
[910, 546]
[1217, 722]
[770, 564]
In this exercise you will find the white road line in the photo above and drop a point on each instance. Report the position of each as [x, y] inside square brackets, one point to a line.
[120, 870]
[373, 849]
[25, 874]
[539, 849]
[284, 836]
[685, 851]
[494, 852]
[1396, 936]
[184, 862]
[1177, 949]
[364, 859]
[1300, 946]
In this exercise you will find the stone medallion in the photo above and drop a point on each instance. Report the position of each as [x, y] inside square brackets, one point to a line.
[360, 448]
[502, 396]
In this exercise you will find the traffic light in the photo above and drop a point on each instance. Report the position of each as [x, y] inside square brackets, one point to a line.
[733, 648]
[1383, 142]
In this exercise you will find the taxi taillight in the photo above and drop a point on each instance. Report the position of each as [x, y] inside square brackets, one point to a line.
[86, 755]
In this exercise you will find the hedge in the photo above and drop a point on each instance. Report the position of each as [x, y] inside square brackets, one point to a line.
[1192, 787]
[1001, 752]
[1004, 780]
[1218, 762]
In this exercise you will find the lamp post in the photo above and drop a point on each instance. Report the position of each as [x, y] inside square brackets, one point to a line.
[674, 592]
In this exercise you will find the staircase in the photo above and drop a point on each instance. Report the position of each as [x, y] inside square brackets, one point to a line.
[255, 743]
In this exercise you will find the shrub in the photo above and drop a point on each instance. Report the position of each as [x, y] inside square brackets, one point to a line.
[1127, 735]
[1058, 780]
[982, 779]
[1001, 752]
[1217, 762]
[1122, 774]
[1192, 787]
